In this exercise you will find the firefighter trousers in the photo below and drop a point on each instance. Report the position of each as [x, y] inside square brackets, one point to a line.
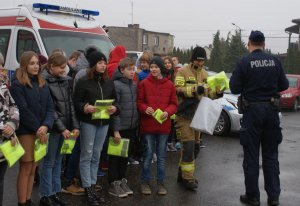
[188, 138]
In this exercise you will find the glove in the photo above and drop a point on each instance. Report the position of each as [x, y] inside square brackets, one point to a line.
[200, 90]
[196, 149]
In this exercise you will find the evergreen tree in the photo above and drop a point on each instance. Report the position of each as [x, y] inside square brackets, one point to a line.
[216, 57]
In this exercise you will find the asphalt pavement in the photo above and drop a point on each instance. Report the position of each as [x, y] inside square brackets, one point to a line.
[218, 170]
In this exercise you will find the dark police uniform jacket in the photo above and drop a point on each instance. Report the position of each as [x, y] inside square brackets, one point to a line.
[258, 77]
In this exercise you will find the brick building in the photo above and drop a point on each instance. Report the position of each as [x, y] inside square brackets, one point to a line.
[135, 38]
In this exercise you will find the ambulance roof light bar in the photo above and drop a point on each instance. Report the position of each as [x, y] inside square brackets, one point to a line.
[47, 7]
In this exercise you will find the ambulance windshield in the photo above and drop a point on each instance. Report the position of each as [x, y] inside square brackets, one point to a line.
[71, 41]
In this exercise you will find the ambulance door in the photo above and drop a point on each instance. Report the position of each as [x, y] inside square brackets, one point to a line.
[25, 40]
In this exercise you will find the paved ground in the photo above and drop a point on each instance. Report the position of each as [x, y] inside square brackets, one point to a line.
[218, 169]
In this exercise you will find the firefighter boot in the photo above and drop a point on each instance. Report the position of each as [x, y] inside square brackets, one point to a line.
[190, 184]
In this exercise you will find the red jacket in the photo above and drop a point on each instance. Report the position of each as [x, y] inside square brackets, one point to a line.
[156, 93]
[115, 56]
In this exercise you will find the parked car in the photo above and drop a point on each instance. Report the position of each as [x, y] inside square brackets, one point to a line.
[230, 119]
[290, 97]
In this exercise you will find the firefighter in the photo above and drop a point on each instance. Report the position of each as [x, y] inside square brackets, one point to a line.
[190, 82]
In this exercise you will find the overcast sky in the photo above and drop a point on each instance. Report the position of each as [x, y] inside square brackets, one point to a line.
[194, 21]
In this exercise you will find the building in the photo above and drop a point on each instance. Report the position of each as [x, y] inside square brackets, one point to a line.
[294, 29]
[135, 38]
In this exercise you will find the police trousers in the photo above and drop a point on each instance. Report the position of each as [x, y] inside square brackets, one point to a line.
[188, 138]
[261, 127]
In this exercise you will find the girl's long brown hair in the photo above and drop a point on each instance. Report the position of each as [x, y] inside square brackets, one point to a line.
[22, 74]
[91, 73]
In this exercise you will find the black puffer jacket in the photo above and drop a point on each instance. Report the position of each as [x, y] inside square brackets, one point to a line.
[61, 92]
[87, 91]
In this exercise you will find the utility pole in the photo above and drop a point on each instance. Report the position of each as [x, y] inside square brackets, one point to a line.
[132, 12]
[240, 42]
[288, 52]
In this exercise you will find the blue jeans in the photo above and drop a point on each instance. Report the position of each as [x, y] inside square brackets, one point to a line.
[91, 142]
[150, 141]
[50, 169]
[73, 162]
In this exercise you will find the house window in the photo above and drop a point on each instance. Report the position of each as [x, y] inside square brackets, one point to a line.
[156, 41]
[145, 39]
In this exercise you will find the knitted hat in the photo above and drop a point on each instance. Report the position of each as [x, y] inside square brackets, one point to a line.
[42, 59]
[94, 57]
[257, 36]
[160, 63]
[198, 54]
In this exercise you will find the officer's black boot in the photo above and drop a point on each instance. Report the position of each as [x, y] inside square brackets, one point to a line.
[90, 197]
[273, 201]
[249, 200]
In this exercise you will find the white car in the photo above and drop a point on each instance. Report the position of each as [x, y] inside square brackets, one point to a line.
[230, 119]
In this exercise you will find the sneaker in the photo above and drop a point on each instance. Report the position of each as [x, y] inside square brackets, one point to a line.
[249, 200]
[132, 161]
[58, 200]
[171, 148]
[115, 189]
[161, 188]
[125, 187]
[46, 201]
[202, 144]
[73, 189]
[145, 188]
[178, 145]
[100, 173]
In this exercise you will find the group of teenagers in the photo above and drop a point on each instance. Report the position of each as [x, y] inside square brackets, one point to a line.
[51, 100]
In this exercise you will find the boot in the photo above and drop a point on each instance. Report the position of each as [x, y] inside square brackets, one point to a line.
[249, 200]
[190, 184]
[21, 204]
[29, 203]
[90, 198]
[98, 197]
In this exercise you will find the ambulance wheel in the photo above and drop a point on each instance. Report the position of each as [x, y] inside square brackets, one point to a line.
[223, 125]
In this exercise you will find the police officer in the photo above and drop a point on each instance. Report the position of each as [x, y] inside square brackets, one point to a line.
[259, 78]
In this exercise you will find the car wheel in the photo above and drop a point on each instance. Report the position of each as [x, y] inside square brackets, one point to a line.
[223, 124]
[295, 105]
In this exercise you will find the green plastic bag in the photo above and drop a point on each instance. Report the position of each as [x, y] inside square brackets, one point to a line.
[40, 150]
[120, 150]
[157, 115]
[101, 109]
[67, 146]
[216, 80]
[173, 116]
[12, 153]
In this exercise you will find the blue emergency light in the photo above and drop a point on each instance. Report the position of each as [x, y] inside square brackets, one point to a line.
[47, 7]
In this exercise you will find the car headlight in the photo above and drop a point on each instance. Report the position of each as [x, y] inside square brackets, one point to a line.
[287, 95]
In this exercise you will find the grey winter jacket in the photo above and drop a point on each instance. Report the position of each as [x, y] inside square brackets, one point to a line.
[126, 91]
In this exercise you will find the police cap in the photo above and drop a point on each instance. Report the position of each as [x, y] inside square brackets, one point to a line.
[257, 36]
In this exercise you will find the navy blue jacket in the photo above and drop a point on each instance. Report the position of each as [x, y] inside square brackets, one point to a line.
[258, 77]
[35, 105]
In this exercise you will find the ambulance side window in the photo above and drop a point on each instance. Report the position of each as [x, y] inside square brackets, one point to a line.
[26, 42]
[4, 40]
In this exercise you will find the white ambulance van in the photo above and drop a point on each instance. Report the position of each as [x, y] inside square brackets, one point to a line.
[43, 27]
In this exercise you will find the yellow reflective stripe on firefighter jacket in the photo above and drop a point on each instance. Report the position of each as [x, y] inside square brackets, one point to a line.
[188, 78]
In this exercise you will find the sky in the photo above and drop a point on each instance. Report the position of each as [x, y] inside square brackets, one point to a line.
[194, 22]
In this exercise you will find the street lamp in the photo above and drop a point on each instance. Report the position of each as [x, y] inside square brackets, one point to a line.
[240, 42]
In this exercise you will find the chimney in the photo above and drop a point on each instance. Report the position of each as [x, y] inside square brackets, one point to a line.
[133, 26]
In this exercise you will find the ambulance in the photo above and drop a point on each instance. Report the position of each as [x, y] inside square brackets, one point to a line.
[44, 27]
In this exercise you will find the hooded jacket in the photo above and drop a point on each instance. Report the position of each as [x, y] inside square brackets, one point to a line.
[156, 93]
[126, 93]
[115, 56]
[61, 93]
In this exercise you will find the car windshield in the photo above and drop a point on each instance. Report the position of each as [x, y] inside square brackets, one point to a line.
[292, 81]
[71, 41]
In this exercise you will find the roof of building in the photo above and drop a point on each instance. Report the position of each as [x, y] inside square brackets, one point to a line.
[295, 28]
[137, 27]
